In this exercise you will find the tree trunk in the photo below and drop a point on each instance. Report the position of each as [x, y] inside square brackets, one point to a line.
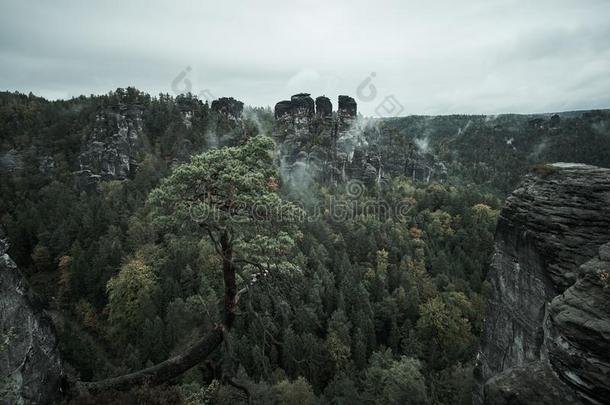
[228, 272]
[175, 366]
[162, 372]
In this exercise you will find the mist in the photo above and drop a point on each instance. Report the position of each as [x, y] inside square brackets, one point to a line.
[483, 57]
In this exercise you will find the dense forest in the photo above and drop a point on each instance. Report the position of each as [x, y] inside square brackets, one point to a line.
[374, 295]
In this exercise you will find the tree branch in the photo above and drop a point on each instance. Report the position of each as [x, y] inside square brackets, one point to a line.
[175, 366]
[162, 372]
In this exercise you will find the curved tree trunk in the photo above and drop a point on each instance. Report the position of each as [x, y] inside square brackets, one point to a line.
[161, 372]
[175, 366]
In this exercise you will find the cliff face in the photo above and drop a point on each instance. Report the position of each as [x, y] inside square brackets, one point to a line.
[546, 337]
[30, 365]
[307, 133]
[113, 148]
[333, 147]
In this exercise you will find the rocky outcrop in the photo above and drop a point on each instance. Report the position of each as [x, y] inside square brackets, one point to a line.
[324, 108]
[229, 107]
[548, 316]
[316, 143]
[348, 107]
[113, 148]
[533, 383]
[30, 365]
[577, 331]
[307, 133]
[282, 108]
[302, 104]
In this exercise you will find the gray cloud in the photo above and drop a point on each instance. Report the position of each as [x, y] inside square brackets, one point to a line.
[480, 56]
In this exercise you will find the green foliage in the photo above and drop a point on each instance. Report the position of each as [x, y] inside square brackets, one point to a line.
[404, 383]
[232, 191]
[444, 327]
[131, 300]
[338, 340]
[366, 309]
[298, 392]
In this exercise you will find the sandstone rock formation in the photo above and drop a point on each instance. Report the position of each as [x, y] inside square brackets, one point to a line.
[113, 148]
[302, 104]
[282, 108]
[228, 106]
[30, 365]
[546, 338]
[307, 133]
[316, 143]
[324, 107]
[347, 106]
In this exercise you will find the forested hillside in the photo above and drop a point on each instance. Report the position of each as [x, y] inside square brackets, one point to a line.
[121, 210]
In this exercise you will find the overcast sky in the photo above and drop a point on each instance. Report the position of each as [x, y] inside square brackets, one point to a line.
[432, 56]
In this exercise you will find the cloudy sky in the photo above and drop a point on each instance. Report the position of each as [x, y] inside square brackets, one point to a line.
[429, 57]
